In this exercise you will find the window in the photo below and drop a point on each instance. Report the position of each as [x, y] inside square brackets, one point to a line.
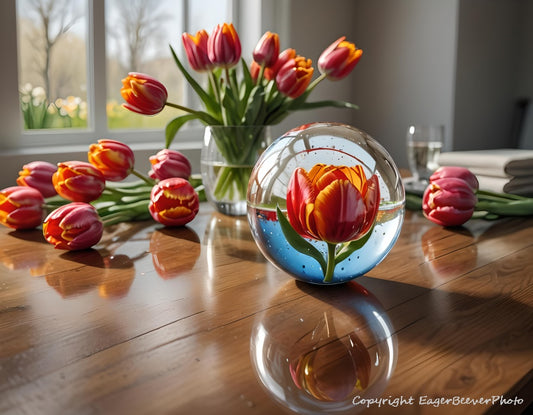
[70, 70]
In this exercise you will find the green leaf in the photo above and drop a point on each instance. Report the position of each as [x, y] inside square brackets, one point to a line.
[247, 76]
[173, 126]
[350, 247]
[209, 102]
[255, 113]
[298, 242]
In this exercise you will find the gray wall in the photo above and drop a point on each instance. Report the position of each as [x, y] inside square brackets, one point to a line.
[461, 63]
[491, 71]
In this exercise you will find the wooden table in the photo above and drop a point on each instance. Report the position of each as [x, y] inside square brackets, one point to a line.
[157, 320]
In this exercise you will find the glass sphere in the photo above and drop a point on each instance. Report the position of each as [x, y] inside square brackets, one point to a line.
[331, 144]
[326, 352]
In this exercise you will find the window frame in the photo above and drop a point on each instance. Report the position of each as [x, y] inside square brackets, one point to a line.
[14, 137]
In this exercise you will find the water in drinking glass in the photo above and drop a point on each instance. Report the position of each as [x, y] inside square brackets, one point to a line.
[424, 144]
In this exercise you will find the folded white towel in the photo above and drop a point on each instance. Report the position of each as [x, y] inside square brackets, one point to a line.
[497, 163]
[522, 186]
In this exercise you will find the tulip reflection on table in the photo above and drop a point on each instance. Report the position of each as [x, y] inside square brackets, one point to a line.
[174, 251]
[334, 204]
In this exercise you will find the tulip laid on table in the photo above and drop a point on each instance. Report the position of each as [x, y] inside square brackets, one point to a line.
[453, 197]
[334, 204]
[73, 226]
[38, 174]
[173, 202]
[169, 163]
[258, 94]
[21, 207]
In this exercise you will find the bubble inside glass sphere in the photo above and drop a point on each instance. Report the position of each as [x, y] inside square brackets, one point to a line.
[305, 215]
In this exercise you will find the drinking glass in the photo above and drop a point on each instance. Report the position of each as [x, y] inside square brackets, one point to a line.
[424, 143]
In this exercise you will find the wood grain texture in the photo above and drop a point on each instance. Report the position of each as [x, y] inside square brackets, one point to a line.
[157, 320]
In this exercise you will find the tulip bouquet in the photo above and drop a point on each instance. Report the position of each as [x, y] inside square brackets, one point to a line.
[453, 197]
[79, 198]
[334, 204]
[256, 95]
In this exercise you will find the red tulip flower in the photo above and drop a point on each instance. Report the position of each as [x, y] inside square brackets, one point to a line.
[224, 46]
[73, 227]
[78, 181]
[143, 94]
[173, 202]
[38, 174]
[457, 172]
[196, 50]
[294, 77]
[267, 50]
[334, 204]
[339, 59]
[114, 159]
[21, 207]
[449, 201]
[169, 163]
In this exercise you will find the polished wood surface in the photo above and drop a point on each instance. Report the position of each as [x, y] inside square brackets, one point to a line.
[157, 320]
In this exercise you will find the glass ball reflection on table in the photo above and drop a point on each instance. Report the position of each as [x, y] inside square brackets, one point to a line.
[331, 144]
[323, 352]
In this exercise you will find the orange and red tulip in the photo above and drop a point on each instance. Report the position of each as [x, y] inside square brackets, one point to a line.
[339, 59]
[169, 163]
[173, 202]
[196, 50]
[143, 94]
[21, 207]
[294, 77]
[78, 181]
[114, 159]
[38, 174]
[267, 49]
[73, 227]
[224, 46]
[334, 204]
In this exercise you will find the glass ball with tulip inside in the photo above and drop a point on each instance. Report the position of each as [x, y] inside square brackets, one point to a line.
[325, 203]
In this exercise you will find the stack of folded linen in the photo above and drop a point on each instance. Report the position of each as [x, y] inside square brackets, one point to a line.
[499, 170]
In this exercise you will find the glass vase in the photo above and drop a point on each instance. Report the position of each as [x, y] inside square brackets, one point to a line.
[229, 154]
[297, 251]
